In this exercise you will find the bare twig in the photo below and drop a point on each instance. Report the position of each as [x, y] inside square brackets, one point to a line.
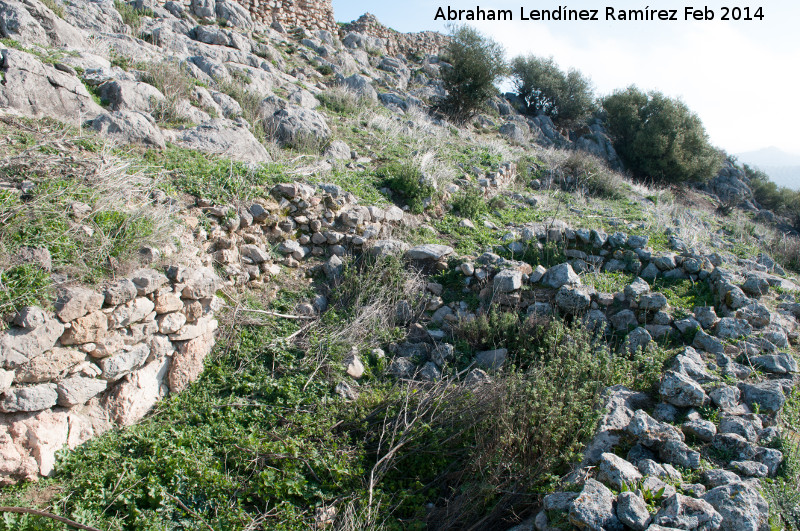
[45, 514]
[189, 511]
[276, 314]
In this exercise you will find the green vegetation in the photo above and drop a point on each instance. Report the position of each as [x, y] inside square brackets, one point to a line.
[470, 203]
[215, 178]
[477, 63]
[175, 84]
[659, 137]
[54, 7]
[24, 285]
[567, 98]
[410, 184]
[132, 16]
[91, 215]
[781, 200]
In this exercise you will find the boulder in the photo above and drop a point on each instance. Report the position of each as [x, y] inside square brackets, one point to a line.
[28, 399]
[224, 137]
[74, 302]
[573, 300]
[35, 89]
[428, 252]
[560, 275]
[768, 395]
[295, 126]
[18, 345]
[31, 23]
[507, 280]
[594, 508]
[130, 127]
[632, 511]
[683, 512]
[187, 362]
[742, 507]
[682, 391]
[77, 390]
[617, 472]
[123, 95]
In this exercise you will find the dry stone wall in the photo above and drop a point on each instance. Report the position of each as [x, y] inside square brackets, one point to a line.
[98, 361]
[308, 14]
[425, 42]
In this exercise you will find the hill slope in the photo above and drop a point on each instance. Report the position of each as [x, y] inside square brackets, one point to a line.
[252, 281]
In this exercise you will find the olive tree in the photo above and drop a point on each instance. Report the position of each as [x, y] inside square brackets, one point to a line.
[567, 98]
[659, 137]
[477, 63]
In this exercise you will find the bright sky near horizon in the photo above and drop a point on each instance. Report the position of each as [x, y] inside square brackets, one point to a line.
[742, 78]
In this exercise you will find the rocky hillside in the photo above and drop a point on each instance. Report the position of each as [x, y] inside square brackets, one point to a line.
[251, 279]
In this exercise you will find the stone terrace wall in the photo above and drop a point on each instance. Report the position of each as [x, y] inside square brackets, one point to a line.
[100, 360]
[426, 42]
[309, 14]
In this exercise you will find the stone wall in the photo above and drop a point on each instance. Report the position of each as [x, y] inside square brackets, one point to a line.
[308, 14]
[98, 361]
[426, 42]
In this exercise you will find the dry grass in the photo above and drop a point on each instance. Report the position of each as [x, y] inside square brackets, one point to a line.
[67, 170]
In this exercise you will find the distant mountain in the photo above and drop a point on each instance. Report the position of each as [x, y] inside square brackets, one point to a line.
[782, 167]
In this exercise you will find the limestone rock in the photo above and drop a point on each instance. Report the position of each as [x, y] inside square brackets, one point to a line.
[559, 275]
[741, 506]
[133, 398]
[187, 362]
[617, 472]
[224, 137]
[683, 512]
[74, 302]
[118, 365]
[76, 390]
[33, 398]
[632, 511]
[594, 508]
[90, 328]
[18, 345]
[430, 251]
[34, 89]
[682, 391]
[130, 127]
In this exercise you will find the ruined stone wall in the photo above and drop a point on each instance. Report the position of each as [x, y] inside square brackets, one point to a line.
[308, 14]
[425, 42]
[100, 360]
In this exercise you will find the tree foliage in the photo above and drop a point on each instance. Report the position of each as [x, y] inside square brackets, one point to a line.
[477, 63]
[659, 137]
[544, 87]
[781, 200]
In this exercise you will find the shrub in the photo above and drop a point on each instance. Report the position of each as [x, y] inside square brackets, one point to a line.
[470, 203]
[477, 63]
[407, 181]
[587, 173]
[565, 97]
[781, 200]
[132, 16]
[174, 82]
[660, 137]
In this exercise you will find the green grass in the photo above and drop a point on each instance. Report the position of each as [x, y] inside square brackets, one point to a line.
[215, 178]
[684, 295]
[608, 282]
[24, 285]
[132, 16]
[407, 181]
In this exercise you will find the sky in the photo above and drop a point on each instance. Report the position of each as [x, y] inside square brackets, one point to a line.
[742, 78]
